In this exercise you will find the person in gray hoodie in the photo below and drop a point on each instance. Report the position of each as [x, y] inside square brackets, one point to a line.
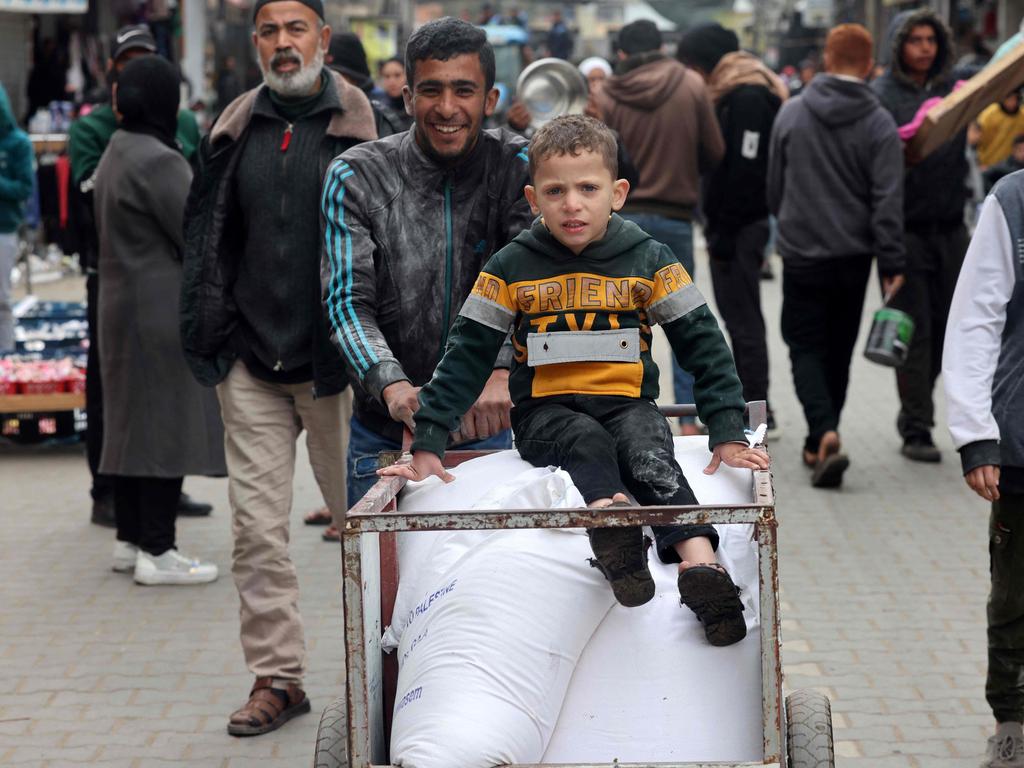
[935, 238]
[835, 182]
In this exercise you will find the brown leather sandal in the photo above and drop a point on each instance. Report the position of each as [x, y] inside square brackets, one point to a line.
[320, 516]
[331, 534]
[267, 709]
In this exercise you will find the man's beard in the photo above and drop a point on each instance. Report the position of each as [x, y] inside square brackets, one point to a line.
[297, 83]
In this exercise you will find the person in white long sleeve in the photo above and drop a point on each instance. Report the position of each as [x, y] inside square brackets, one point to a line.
[983, 371]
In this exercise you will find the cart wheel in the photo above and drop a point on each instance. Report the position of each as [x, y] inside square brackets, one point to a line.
[331, 737]
[809, 730]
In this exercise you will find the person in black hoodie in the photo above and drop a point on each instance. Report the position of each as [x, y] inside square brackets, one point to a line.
[747, 96]
[835, 182]
[935, 238]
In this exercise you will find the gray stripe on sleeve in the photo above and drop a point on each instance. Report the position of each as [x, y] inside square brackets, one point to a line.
[487, 312]
[675, 305]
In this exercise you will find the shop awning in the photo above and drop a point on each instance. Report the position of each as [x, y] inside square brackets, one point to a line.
[44, 6]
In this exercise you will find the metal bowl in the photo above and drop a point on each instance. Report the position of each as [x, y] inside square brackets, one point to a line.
[551, 87]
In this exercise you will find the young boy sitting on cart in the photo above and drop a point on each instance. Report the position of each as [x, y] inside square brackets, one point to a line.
[580, 290]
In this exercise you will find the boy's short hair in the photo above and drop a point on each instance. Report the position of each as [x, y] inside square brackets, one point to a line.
[444, 39]
[849, 46]
[573, 135]
[1018, 139]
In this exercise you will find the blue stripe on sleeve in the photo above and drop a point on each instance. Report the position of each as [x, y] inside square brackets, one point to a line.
[329, 204]
[342, 294]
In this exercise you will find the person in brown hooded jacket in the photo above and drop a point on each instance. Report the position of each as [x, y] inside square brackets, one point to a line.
[663, 113]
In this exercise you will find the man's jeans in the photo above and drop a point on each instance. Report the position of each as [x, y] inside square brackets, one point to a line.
[678, 236]
[364, 445]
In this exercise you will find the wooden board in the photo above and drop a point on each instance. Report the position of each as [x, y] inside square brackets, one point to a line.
[956, 111]
[59, 401]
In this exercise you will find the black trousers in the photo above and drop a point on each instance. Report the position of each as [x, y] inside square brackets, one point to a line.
[146, 509]
[609, 445]
[102, 485]
[821, 312]
[736, 277]
[934, 258]
[1004, 687]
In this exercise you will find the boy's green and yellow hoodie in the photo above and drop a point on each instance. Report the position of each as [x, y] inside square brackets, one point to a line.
[581, 325]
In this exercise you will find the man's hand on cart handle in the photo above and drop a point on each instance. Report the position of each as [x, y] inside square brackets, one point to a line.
[984, 481]
[491, 413]
[400, 399]
[739, 455]
[424, 464]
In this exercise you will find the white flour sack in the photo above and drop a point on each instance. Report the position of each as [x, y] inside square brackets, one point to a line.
[489, 628]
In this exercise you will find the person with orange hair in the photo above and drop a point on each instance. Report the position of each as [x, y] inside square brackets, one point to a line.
[835, 182]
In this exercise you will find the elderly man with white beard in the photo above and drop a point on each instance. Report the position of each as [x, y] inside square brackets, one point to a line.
[252, 325]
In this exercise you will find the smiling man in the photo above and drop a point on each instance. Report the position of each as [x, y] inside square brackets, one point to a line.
[252, 325]
[411, 219]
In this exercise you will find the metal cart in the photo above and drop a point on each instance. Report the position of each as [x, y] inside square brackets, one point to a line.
[354, 730]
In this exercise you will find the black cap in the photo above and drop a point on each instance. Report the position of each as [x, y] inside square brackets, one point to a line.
[639, 37]
[346, 54]
[134, 38]
[316, 6]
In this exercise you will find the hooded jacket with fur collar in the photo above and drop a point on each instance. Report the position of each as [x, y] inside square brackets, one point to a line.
[215, 245]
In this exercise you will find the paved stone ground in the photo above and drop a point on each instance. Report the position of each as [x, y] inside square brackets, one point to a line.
[883, 590]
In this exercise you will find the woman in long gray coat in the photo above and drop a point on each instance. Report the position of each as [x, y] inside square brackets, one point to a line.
[160, 424]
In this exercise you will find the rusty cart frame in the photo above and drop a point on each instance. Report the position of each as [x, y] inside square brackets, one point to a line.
[354, 730]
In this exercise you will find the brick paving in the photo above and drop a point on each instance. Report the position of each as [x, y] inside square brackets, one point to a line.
[883, 591]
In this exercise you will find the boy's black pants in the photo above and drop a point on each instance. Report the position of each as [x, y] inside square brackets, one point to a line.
[608, 445]
[821, 311]
[1004, 688]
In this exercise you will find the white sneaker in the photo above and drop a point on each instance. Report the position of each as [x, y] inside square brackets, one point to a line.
[124, 558]
[172, 567]
[1006, 748]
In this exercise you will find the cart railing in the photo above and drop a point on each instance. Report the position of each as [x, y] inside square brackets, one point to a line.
[368, 551]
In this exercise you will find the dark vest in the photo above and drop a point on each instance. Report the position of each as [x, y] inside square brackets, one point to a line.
[1008, 383]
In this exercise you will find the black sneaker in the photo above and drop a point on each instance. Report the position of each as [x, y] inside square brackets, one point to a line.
[921, 449]
[189, 507]
[708, 591]
[620, 554]
[103, 512]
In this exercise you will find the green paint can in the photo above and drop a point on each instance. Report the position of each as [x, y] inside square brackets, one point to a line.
[889, 339]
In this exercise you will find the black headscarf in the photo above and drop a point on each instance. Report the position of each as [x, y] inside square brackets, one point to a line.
[147, 98]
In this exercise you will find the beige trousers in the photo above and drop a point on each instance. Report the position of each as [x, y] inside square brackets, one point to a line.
[262, 421]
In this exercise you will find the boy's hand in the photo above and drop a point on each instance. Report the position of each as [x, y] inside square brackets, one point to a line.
[984, 481]
[401, 402]
[491, 413]
[424, 464]
[737, 455]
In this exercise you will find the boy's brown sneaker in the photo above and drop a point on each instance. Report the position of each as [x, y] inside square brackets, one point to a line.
[708, 591]
[620, 554]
